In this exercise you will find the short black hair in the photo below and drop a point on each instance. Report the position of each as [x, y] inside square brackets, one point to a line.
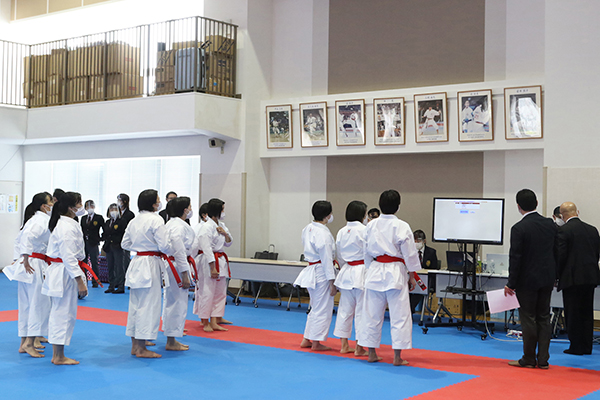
[527, 200]
[170, 193]
[146, 200]
[389, 201]
[214, 208]
[203, 209]
[355, 211]
[321, 209]
[177, 206]
[113, 205]
[374, 210]
[419, 235]
[556, 212]
[89, 203]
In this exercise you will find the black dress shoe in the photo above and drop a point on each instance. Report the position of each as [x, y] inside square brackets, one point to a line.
[94, 285]
[119, 291]
[109, 290]
[572, 352]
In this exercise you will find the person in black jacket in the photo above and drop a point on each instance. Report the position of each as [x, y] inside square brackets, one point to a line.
[112, 235]
[126, 215]
[91, 225]
[164, 214]
[531, 276]
[429, 260]
[578, 248]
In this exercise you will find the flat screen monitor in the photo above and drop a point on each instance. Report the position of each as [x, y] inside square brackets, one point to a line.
[463, 220]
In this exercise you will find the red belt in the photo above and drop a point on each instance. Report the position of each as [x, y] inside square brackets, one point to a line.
[357, 262]
[190, 261]
[164, 257]
[313, 263]
[220, 254]
[389, 259]
[39, 256]
[84, 267]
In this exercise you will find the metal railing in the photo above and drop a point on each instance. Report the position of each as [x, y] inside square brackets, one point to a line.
[186, 55]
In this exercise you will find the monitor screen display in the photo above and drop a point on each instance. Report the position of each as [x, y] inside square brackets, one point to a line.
[459, 220]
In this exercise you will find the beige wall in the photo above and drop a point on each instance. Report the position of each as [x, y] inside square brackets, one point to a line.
[33, 8]
[383, 44]
[418, 178]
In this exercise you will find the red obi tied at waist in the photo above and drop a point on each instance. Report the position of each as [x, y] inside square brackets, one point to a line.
[389, 259]
[217, 256]
[166, 258]
[190, 261]
[39, 256]
[314, 262]
[357, 262]
[84, 267]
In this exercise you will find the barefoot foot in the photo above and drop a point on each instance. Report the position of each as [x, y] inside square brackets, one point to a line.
[32, 352]
[64, 361]
[217, 327]
[177, 346]
[149, 343]
[305, 343]
[316, 346]
[347, 349]
[374, 359]
[208, 328]
[399, 361]
[224, 321]
[360, 351]
[145, 353]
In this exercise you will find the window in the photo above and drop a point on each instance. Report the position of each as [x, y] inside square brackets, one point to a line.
[103, 180]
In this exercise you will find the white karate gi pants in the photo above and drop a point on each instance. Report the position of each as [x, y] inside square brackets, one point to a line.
[349, 308]
[143, 317]
[400, 318]
[34, 307]
[63, 313]
[211, 297]
[175, 307]
[318, 320]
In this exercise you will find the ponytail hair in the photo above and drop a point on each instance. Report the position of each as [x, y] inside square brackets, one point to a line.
[36, 204]
[61, 207]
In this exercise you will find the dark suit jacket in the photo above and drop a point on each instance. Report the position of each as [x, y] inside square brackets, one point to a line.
[532, 260]
[430, 260]
[578, 248]
[91, 229]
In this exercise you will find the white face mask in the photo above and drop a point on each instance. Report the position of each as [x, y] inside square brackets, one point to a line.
[559, 221]
[222, 217]
[120, 203]
[80, 211]
[49, 211]
[365, 221]
[159, 206]
[190, 214]
[90, 211]
[419, 245]
[114, 214]
[330, 219]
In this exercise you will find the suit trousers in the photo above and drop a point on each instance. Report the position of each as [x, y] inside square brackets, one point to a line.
[535, 323]
[116, 274]
[578, 302]
[91, 251]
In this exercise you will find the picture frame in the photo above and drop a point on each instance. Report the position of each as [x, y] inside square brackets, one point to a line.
[475, 116]
[350, 122]
[431, 117]
[279, 127]
[389, 122]
[523, 113]
[313, 119]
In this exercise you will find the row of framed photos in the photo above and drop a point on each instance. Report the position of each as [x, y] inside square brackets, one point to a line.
[522, 111]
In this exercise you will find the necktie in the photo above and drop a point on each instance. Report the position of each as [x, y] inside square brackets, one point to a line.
[421, 256]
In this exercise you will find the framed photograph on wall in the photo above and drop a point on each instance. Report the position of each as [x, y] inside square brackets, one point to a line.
[313, 117]
[389, 121]
[523, 112]
[431, 118]
[350, 122]
[279, 127]
[475, 116]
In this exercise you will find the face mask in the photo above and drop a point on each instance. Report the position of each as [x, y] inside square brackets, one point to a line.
[190, 214]
[159, 206]
[559, 222]
[365, 221]
[330, 219]
[49, 211]
[90, 211]
[120, 204]
[80, 212]
[114, 214]
[222, 217]
[419, 245]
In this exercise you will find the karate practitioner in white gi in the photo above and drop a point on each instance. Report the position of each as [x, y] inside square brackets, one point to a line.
[65, 280]
[213, 268]
[146, 234]
[350, 247]
[28, 270]
[466, 116]
[318, 277]
[203, 218]
[429, 115]
[390, 256]
[183, 244]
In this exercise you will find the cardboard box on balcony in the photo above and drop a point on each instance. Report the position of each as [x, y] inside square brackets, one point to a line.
[77, 89]
[165, 87]
[220, 44]
[165, 73]
[166, 58]
[35, 68]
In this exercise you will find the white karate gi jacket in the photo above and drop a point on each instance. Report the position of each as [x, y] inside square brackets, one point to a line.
[66, 243]
[318, 245]
[33, 238]
[183, 243]
[350, 246]
[146, 232]
[211, 241]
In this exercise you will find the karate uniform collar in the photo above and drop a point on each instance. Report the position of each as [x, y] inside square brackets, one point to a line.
[42, 214]
[320, 225]
[354, 223]
[69, 220]
[388, 216]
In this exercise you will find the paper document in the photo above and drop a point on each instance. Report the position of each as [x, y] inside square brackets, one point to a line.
[499, 303]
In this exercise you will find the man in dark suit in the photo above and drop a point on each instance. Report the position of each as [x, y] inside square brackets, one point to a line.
[578, 248]
[429, 260]
[164, 213]
[531, 275]
[90, 225]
